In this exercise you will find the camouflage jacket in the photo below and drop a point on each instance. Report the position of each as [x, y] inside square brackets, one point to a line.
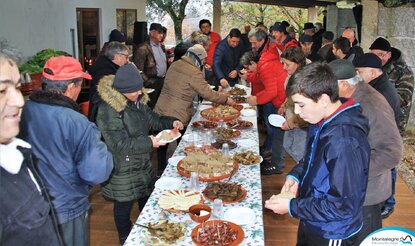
[403, 78]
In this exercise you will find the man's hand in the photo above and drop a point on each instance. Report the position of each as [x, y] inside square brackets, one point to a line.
[233, 74]
[230, 101]
[284, 126]
[251, 100]
[156, 142]
[177, 124]
[290, 186]
[224, 83]
[278, 205]
[281, 111]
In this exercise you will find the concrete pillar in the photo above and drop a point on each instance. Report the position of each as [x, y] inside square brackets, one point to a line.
[312, 14]
[369, 23]
[332, 19]
[217, 12]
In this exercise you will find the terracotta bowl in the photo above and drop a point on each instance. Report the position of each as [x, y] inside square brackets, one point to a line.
[194, 212]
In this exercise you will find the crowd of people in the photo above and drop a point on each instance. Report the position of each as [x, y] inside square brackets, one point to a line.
[345, 112]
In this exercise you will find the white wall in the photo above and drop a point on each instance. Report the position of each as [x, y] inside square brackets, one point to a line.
[31, 26]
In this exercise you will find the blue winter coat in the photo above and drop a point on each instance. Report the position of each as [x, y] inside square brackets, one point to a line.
[333, 175]
[71, 156]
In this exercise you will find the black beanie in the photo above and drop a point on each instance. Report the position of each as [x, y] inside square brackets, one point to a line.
[381, 44]
[116, 35]
[128, 79]
[368, 60]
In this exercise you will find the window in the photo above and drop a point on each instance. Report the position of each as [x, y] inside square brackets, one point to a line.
[125, 22]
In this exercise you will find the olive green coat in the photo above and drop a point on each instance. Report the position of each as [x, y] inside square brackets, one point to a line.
[125, 128]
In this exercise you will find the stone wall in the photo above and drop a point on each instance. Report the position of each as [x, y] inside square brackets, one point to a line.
[397, 25]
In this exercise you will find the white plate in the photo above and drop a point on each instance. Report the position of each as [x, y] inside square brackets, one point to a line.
[240, 215]
[242, 87]
[168, 183]
[204, 106]
[246, 143]
[168, 131]
[174, 160]
[212, 87]
[276, 120]
[248, 112]
[148, 90]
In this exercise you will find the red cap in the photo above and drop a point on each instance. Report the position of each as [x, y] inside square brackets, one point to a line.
[63, 68]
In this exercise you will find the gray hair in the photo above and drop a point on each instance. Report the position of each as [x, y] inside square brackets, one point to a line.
[59, 86]
[353, 81]
[8, 52]
[259, 34]
[201, 39]
[114, 48]
[247, 57]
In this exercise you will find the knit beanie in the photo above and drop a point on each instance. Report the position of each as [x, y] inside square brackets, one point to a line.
[128, 79]
[116, 35]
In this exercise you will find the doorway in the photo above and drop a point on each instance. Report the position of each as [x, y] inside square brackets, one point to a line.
[88, 35]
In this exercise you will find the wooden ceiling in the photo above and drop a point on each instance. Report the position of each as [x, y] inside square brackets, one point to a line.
[291, 3]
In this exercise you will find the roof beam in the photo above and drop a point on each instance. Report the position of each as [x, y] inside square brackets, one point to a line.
[289, 3]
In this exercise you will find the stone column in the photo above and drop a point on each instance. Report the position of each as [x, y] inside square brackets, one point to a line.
[312, 14]
[369, 23]
[332, 19]
[217, 12]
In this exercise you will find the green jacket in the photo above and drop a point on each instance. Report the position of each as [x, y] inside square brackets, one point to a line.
[125, 127]
[403, 78]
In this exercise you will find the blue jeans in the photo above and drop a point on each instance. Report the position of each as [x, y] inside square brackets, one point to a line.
[275, 137]
[122, 212]
[390, 202]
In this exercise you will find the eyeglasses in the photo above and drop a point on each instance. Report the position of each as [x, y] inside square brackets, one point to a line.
[126, 55]
[381, 55]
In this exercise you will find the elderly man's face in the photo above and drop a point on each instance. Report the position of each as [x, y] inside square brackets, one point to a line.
[133, 96]
[156, 36]
[11, 101]
[255, 44]
[306, 47]
[384, 56]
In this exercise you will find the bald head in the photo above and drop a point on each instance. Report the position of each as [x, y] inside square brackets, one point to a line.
[349, 34]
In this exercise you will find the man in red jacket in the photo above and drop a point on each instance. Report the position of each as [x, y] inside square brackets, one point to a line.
[271, 75]
[205, 27]
[281, 37]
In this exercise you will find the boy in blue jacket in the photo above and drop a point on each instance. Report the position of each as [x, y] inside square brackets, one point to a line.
[329, 183]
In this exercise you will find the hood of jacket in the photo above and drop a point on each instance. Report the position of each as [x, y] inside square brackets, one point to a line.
[396, 58]
[114, 98]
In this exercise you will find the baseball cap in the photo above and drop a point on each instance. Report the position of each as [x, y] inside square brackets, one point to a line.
[279, 27]
[198, 50]
[63, 68]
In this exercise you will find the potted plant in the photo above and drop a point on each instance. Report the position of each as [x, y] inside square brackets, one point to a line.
[35, 64]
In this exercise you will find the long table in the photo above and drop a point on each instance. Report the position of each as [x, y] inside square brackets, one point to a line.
[247, 176]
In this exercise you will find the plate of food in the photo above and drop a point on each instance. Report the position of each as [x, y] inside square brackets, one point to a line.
[247, 158]
[168, 136]
[179, 200]
[238, 107]
[210, 167]
[202, 124]
[222, 112]
[226, 133]
[174, 160]
[239, 124]
[167, 183]
[165, 233]
[236, 91]
[219, 142]
[228, 192]
[239, 99]
[199, 149]
[240, 215]
[248, 112]
[226, 233]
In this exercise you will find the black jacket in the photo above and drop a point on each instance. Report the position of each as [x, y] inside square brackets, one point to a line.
[388, 90]
[102, 66]
[26, 216]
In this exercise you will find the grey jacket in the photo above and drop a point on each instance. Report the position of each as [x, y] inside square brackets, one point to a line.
[384, 140]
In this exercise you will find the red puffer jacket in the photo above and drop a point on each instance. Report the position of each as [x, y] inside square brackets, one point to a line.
[271, 75]
[288, 42]
[214, 40]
